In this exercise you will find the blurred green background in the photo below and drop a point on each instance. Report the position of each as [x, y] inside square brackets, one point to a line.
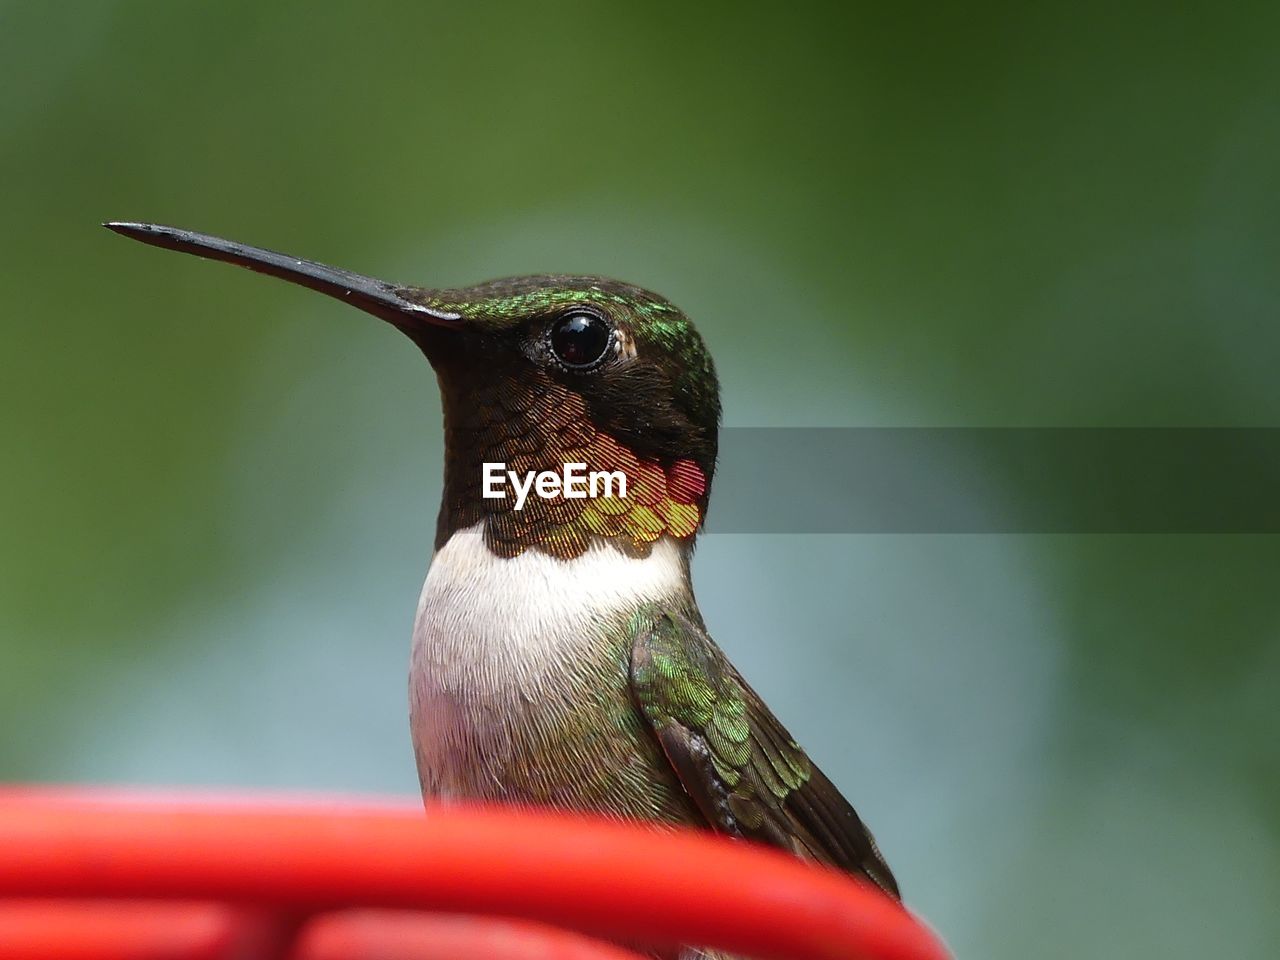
[218, 491]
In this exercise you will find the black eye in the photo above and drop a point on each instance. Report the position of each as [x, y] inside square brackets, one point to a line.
[581, 339]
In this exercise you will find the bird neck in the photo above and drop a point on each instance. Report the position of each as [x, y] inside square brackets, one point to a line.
[542, 592]
[525, 463]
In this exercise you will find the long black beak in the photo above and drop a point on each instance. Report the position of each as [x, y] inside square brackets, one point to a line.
[395, 304]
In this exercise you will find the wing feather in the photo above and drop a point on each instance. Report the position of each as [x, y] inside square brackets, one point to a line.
[745, 773]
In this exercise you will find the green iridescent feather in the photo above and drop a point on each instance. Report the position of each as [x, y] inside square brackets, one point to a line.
[740, 766]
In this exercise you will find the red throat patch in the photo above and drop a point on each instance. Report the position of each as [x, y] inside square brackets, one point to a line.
[536, 431]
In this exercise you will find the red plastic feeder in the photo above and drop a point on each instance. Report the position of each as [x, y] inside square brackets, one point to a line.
[90, 875]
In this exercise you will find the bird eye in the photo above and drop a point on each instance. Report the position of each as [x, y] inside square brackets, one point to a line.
[581, 339]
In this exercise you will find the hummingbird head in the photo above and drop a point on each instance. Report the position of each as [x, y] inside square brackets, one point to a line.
[538, 373]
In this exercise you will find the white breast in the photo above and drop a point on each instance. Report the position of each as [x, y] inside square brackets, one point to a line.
[504, 647]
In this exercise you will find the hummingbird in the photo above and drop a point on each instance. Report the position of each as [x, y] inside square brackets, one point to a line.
[559, 658]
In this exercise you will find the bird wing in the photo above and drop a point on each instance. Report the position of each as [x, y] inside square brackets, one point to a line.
[739, 765]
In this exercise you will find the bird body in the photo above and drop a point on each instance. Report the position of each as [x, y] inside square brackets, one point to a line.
[559, 658]
[518, 687]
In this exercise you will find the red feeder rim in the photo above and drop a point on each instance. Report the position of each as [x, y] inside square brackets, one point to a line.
[255, 877]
